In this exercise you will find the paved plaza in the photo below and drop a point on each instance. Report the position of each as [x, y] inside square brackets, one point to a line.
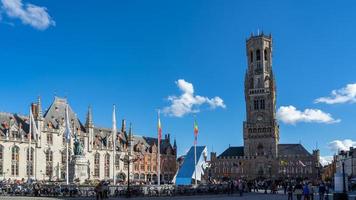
[250, 196]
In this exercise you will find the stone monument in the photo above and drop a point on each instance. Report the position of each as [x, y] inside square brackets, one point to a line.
[78, 169]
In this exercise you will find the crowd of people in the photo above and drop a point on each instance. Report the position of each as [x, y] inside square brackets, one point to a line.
[293, 189]
[307, 190]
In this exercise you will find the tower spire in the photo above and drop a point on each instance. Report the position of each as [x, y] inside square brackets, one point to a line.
[39, 105]
[89, 120]
[123, 126]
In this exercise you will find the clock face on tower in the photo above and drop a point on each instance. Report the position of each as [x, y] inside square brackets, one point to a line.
[259, 118]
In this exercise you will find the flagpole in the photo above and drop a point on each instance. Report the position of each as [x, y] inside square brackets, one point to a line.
[67, 176]
[29, 145]
[68, 135]
[114, 143]
[195, 151]
[159, 150]
[195, 161]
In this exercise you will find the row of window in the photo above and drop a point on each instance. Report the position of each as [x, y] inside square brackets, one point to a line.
[15, 158]
[296, 170]
[259, 130]
[259, 104]
[258, 55]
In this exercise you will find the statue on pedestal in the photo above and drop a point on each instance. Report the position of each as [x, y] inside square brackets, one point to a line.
[78, 168]
[78, 146]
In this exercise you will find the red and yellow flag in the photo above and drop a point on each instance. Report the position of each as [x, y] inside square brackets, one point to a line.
[195, 131]
[159, 129]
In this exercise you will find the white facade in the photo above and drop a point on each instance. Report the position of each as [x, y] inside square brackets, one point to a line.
[49, 147]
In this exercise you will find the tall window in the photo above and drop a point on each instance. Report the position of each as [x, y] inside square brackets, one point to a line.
[255, 104]
[258, 55]
[251, 56]
[29, 167]
[1, 160]
[107, 165]
[97, 165]
[63, 164]
[49, 163]
[265, 54]
[49, 138]
[262, 101]
[15, 158]
[117, 161]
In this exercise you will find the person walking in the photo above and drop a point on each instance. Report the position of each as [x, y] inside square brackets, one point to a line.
[241, 188]
[290, 191]
[306, 191]
[232, 187]
[321, 191]
[285, 187]
[311, 191]
[327, 188]
[99, 191]
[298, 190]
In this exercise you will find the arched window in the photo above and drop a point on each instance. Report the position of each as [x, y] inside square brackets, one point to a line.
[1, 160]
[255, 104]
[29, 167]
[251, 56]
[136, 176]
[63, 164]
[15, 158]
[258, 55]
[262, 104]
[49, 163]
[107, 165]
[117, 161]
[265, 54]
[142, 177]
[97, 165]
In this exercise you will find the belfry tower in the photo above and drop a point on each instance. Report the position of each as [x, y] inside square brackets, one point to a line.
[261, 130]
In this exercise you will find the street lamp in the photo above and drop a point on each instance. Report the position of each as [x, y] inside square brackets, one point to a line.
[343, 195]
[129, 160]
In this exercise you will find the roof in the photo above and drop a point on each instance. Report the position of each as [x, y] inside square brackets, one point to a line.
[56, 113]
[292, 149]
[7, 120]
[232, 152]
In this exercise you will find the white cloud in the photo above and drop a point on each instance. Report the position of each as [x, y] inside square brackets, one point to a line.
[188, 102]
[344, 95]
[338, 145]
[30, 14]
[325, 160]
[290, 115]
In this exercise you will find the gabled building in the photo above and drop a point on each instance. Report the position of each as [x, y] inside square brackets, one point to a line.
[47, 160]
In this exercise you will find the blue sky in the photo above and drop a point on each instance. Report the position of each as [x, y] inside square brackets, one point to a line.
[132, 53]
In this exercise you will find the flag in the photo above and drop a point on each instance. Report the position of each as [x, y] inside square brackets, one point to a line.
[33, 128]
[195, 132]
[301, 163]
[283, 163]
[68, 131]
[159, 128]
[114, 129]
